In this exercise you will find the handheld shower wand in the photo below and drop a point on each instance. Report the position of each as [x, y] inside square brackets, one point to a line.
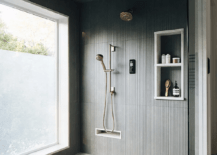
[99, 57]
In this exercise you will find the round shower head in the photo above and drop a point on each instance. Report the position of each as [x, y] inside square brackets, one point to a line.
[127, 16]
[99, 57]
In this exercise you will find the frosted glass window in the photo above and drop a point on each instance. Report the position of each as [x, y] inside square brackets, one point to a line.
[28, 82]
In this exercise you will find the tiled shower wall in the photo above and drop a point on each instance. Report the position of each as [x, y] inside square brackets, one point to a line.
[148, 126]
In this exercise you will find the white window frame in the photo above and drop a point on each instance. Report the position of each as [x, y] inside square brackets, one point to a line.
[62, 70]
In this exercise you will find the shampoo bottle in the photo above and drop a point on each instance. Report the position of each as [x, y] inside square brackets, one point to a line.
[176, 91]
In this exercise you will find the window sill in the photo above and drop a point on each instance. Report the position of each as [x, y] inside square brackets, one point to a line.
[51, 150]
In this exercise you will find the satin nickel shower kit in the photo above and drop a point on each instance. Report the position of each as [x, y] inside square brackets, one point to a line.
[99, 57]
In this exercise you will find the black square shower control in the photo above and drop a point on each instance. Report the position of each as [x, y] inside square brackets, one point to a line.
[132, 66]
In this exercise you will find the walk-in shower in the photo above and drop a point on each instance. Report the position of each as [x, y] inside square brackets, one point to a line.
[99, 57]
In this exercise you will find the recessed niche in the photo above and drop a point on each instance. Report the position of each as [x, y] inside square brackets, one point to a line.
[171, 45]
[172, 73]
[169, 42]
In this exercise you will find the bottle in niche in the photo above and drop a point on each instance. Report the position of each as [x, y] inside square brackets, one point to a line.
[168, 58]
[176, 90]
[163, 59]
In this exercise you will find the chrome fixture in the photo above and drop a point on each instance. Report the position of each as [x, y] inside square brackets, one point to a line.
[127, 15]
[99, 57]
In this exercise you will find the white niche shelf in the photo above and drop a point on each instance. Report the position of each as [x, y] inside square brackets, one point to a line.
[172, 71]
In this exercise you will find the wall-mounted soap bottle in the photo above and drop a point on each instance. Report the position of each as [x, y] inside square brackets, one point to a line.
[176, 91]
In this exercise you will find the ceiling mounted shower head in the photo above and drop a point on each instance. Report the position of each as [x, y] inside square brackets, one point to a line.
[127, 15]
[99, 57]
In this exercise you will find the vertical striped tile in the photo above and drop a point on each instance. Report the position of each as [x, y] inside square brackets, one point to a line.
[148, 126]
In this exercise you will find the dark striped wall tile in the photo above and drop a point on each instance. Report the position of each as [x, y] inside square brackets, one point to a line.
[147, 126]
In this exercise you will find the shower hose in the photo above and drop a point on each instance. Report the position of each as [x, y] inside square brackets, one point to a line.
[105, 107]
